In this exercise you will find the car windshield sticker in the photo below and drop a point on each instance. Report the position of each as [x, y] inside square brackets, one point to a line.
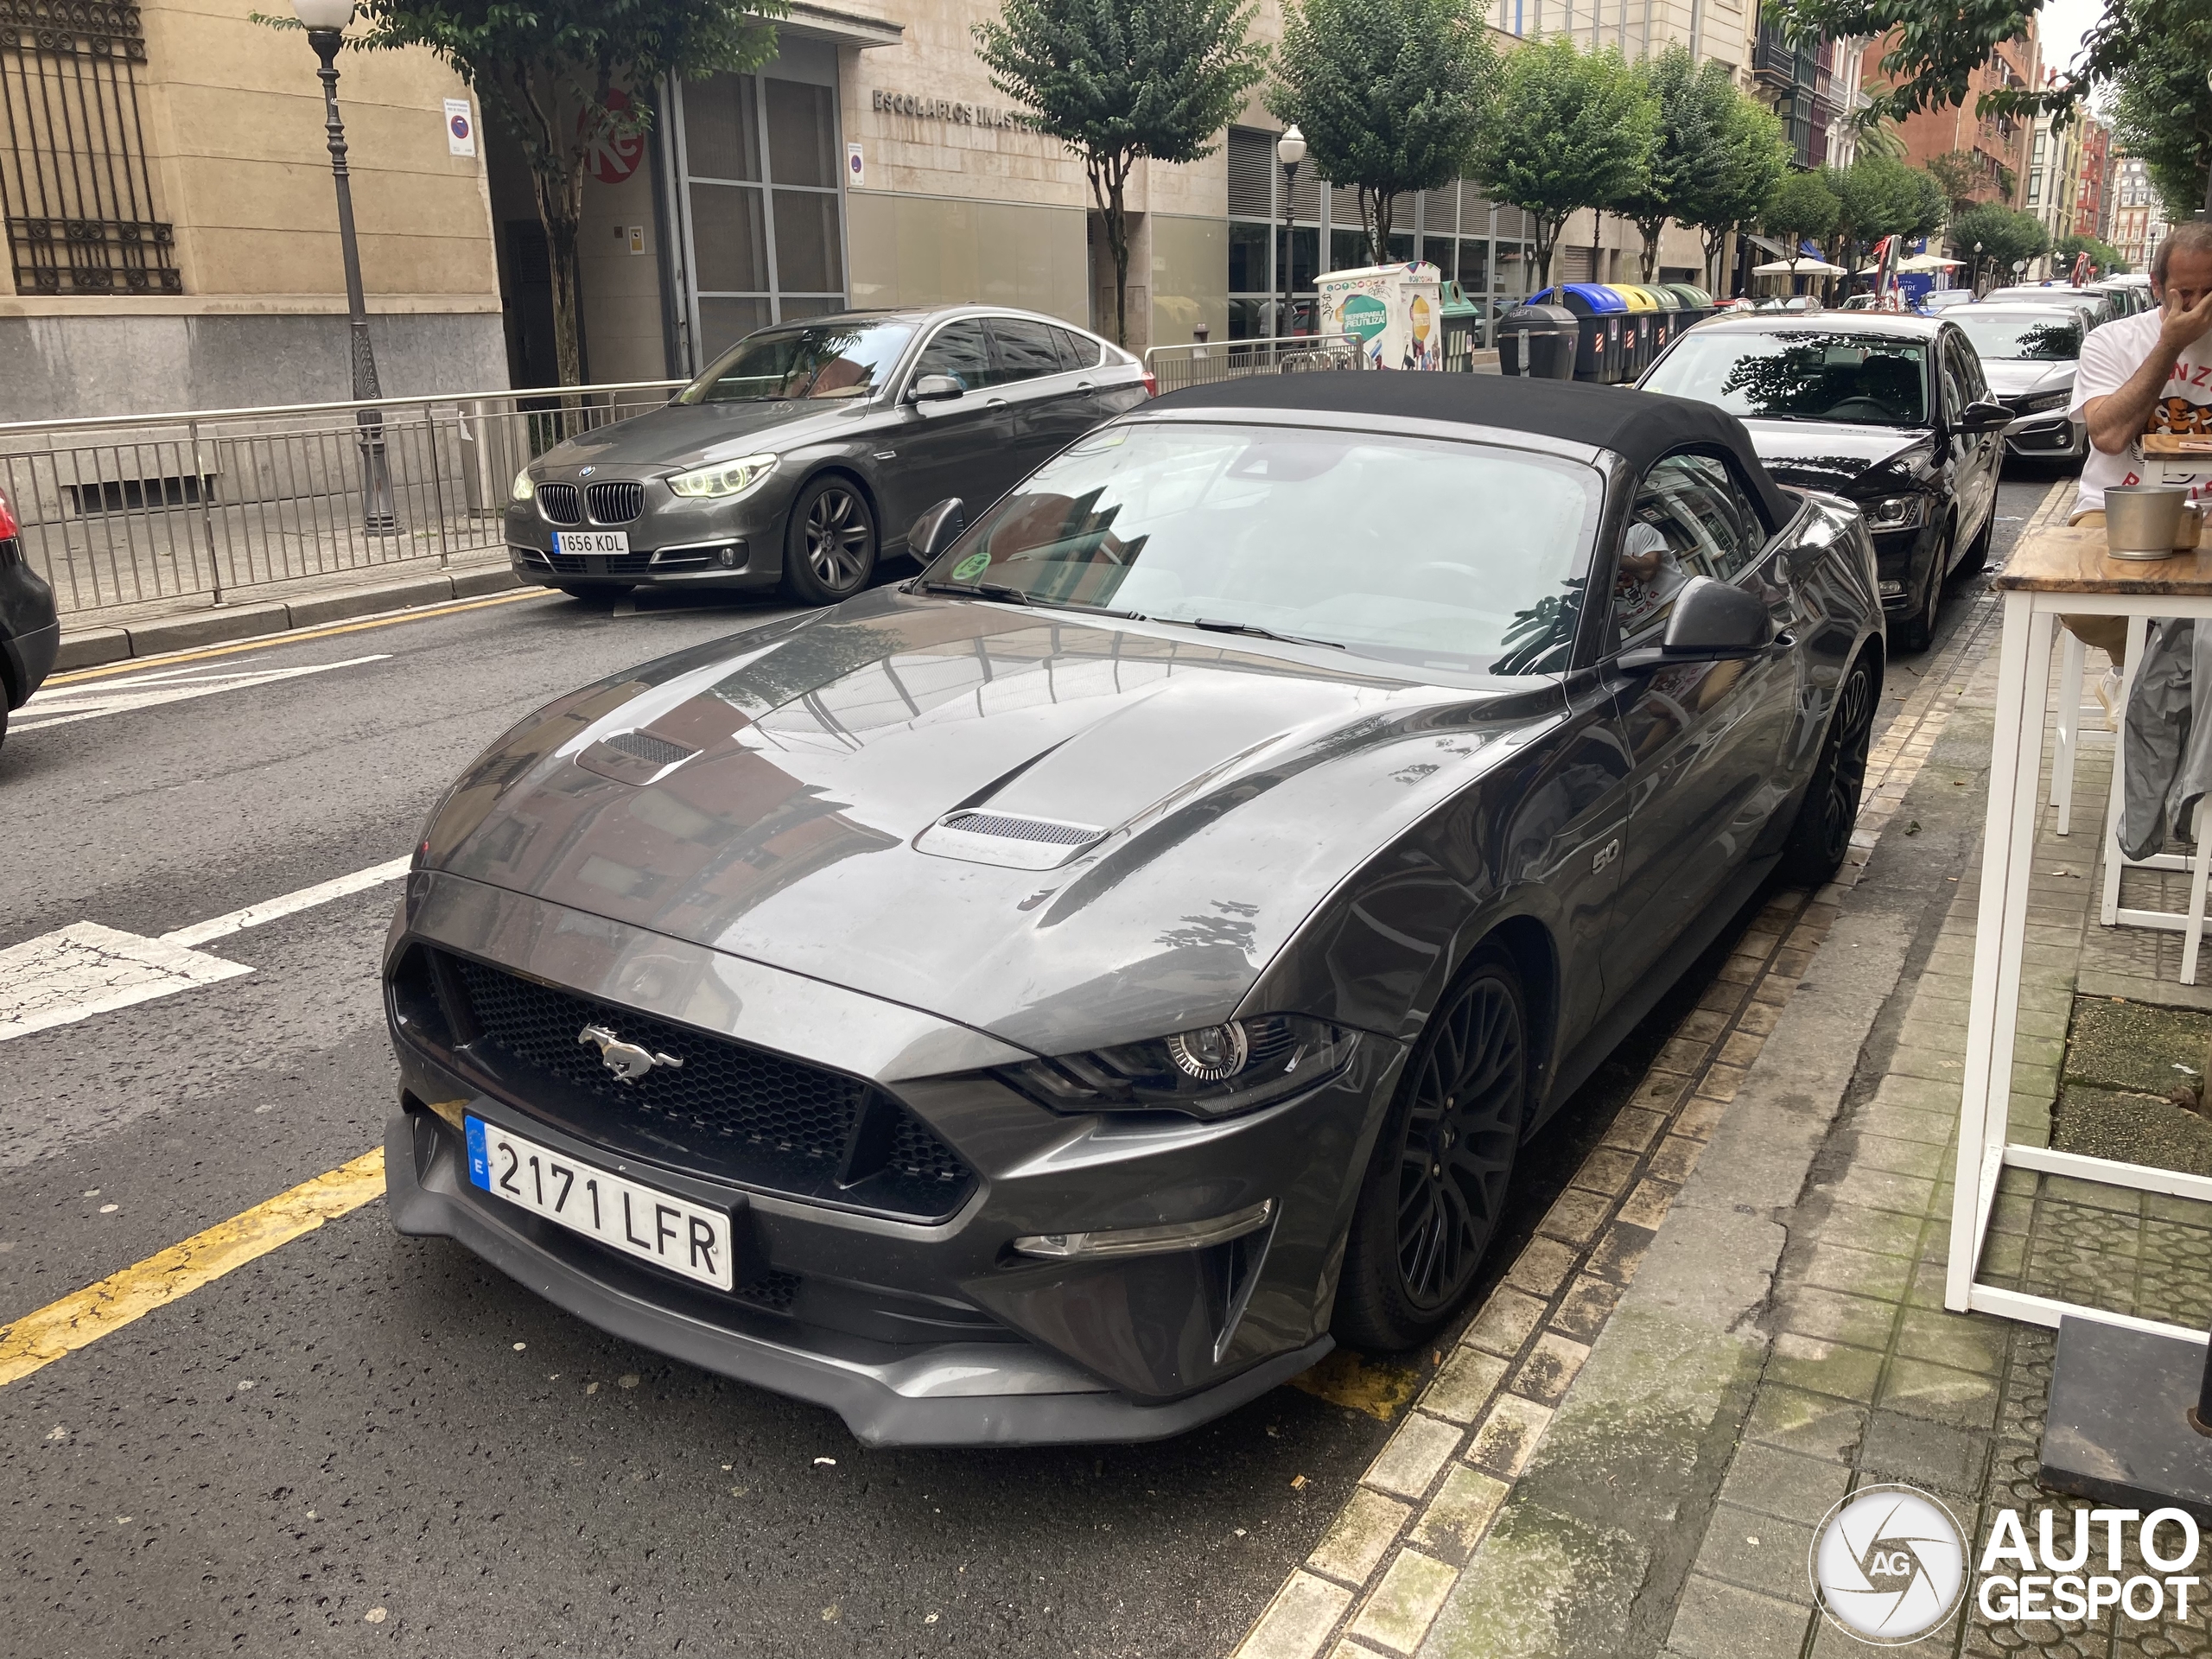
[971, 566]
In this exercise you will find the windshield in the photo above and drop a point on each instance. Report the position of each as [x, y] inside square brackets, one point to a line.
[2042, 338]
[821, 360]
[1435, 554]
[1864, 379]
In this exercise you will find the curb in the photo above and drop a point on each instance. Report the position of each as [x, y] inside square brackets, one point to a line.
[92, 647]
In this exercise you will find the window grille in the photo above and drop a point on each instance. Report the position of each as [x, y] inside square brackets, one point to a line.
[74, 179]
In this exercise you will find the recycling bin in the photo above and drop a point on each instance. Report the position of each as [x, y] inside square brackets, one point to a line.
[1539, 342]
[1463, 329]
[1696, 302]
[1392, 311]
[1639, 329]
[1671, 320]
[1601, 317]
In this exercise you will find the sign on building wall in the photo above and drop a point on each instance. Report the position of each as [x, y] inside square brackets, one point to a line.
[461, 127]
[855, 167]
[943, 108]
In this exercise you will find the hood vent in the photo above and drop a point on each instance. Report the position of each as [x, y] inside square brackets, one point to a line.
[1020, 843]
[634, 757]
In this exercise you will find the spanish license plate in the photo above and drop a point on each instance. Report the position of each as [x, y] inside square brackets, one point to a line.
[592, 543]
[686, 1238]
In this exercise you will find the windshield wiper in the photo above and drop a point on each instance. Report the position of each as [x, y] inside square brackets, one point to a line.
[979, 589]
[1213, 625]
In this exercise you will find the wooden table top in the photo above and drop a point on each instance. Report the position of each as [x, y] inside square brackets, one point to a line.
[2061, 560]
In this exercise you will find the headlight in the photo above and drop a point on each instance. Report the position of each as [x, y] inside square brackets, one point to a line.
[1211, 1072]
[725, 480]
[1897, 512]
[2047, 400]
[524, 488]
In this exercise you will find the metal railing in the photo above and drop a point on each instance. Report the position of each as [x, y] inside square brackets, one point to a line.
[123, 509]
[1202, 362]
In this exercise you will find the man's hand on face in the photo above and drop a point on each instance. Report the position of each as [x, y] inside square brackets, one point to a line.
[2186, 309]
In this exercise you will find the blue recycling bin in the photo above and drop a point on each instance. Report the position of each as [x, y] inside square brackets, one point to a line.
[1601, 352]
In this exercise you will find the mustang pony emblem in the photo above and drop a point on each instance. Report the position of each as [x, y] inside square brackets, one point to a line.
[626, 1060]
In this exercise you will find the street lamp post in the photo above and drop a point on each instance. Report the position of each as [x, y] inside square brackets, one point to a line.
[1290, 150]
[1976, 284]
[325, 21]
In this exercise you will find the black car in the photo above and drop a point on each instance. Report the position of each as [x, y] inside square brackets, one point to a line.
[1059, 996]
[802, 454]
[30, 631]
[1892, 412]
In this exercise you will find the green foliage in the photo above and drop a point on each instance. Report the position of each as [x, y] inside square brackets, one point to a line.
[1802, 209]
[1958, 173]
[565, 76]
[1755, 159]
[1571, 130]
[2006, 237]
[1691, 157]
[1878, 196]
[1935, 46]
[2103, 255]
[1390, 95]
[1118, 80]
[2164, 114]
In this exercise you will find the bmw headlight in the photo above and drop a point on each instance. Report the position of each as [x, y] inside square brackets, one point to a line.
[1209, 1071]
[524, 488]
[1895, 512]
[725, 480]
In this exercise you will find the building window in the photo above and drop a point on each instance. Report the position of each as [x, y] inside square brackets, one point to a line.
[78, 193]
[762, 209]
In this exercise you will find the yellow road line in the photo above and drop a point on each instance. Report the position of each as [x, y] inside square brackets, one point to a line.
[136, 664]
[77, 1320]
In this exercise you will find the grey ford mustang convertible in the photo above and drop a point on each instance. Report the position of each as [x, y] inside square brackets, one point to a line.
[1059, 997]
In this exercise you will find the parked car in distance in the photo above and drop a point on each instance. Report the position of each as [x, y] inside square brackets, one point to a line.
[2095, 309]
[1937, 300]
[30, 630]
[2125, 297]
[1058, 997]
[802, 454]
[1891, 411]
[2028, 354]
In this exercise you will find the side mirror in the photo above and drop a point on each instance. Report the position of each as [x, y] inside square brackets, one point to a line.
[1976, 419]
[936, 529]
[935, 389]
[1712, 622]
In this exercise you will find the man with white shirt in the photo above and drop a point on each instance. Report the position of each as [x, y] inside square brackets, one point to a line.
[2150, 372]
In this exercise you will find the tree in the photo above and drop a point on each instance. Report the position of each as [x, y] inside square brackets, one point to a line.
[2005, 236]
[567, 78]
[1755, 157]
[1694, 105]
[2164, 114]
[1960, 175]
[1803, 208]
[1878, 196]
[1571, 130]
[2104, 258]
[1390, 95]
[1119, 81]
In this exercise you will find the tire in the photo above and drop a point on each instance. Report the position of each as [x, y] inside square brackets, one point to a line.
[1918, 633]
[1977, 558]
[1826, 818]
[599, 596]
[1436, 1185]
[830, 541]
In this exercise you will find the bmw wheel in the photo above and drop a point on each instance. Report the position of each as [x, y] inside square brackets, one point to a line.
[1821, 835]
[1436, 1186]
[829, 544]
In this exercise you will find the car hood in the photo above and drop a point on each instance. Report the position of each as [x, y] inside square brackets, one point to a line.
[778, 796]
[696, 435]
[2019, 377]
[1854, 460]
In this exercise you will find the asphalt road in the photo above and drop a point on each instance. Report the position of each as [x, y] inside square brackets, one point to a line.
[361, 1443]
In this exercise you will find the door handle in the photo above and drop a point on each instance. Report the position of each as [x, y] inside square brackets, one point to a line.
[994, 403]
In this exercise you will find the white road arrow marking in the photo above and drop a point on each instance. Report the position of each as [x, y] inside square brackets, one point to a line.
[68, 703]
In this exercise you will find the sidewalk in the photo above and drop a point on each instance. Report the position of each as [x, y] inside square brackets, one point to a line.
[1734, 1316]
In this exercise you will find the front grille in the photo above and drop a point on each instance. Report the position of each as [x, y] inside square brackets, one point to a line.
[559, 503]
[998, 823]
[731, 1110]
[615, 503]
[594, 564]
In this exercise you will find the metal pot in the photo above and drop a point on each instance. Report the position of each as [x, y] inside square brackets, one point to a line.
[2144, 521]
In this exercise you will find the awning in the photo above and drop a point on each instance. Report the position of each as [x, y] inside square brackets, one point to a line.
[846, 28]
[1802, 268]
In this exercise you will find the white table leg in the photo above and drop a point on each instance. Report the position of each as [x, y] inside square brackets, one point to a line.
[2071, 654]
[2193, 934]
[2000, 924]
[2109, 910]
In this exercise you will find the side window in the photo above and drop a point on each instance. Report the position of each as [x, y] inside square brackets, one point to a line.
[1026, 350]
[960, 350]
[1689, 520]
[1076, 351]
[1954, 382]
[1970, 374]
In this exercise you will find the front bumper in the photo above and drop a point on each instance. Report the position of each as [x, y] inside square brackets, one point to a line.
[2053, 435]
[673, 543]
[915, 1332]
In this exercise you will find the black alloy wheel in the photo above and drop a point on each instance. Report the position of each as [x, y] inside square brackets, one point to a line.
[1917, 631]
[1436, 1186]
[830, 546]
[1977, 558]
[1821, 835]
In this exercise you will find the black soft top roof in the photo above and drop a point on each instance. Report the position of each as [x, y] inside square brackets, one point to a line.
[1638, 426]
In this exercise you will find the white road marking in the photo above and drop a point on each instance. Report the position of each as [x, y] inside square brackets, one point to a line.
[60, 978]
[65, 704]
[306, 898]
